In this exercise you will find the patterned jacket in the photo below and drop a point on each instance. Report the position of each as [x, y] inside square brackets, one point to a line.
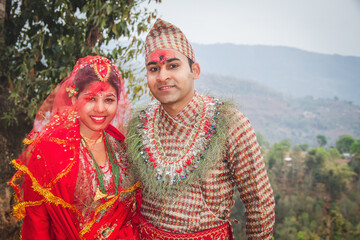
[191, 164]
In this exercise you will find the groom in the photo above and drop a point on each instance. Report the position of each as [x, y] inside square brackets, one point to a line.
[192, 151]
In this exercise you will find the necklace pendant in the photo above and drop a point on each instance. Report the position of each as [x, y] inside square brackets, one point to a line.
[99, 195]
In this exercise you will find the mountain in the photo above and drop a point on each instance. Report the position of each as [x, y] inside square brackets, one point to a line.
[287, 93]
[290, 71]
[278, 116]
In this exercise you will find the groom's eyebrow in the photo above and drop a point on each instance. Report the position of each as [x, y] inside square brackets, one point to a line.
[169, 60]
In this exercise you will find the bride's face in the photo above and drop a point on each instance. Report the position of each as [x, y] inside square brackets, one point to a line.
[96, 106]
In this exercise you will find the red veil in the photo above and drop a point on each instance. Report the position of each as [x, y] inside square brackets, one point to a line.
[59, 101]
[53, 183]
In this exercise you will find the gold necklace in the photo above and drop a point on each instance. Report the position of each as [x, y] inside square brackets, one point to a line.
[92, 142]
[101, 190]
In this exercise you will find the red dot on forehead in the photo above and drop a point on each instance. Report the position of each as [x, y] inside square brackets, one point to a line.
[161, 56]
[98, 87]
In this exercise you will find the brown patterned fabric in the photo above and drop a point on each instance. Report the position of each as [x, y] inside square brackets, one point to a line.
[166, 35]
[207, 203]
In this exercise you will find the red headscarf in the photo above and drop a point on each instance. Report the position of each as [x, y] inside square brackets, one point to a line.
[59, 100]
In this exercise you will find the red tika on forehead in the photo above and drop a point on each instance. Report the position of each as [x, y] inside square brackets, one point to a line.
[98, 88]
[161, 56]
[95, 89]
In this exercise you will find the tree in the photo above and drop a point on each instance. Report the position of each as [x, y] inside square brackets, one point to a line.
[355, 147]
[321, 140]
[343, 144]
[277, 152]
[315, 161]
[334, 153]
[43, 39]
[261, 140]
[40, 43]
[337, 179]
[334, 226]
[2, 16]
[355, 160]
[304, 146]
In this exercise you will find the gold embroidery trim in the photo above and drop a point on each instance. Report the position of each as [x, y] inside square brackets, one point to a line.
[32, 141]
[16, 188]
[105, 206]
[45, 192]
[62, 174]
[52, 139]
[19, 209]
[27, 141]
[58, 140]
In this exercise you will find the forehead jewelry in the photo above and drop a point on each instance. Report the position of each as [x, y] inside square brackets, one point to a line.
[102, 70]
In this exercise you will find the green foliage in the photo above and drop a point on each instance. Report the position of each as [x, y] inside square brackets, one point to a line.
[307, 236]
[43, 40]
[315, 161]
[288, 229]
[297, 213]
[261, 140]
[355, 147]
[357, 232]
[334, 153]
[344, 143]
[304, 146]
[354, 164]
[317, 195]
[321, 140]
[238, 213]
[334, 226]
[322, 165]
[348, 206]
[337, 178]
[277, 153]
[9, 118]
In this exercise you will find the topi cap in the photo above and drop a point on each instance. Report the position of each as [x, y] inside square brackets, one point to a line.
[166, 35]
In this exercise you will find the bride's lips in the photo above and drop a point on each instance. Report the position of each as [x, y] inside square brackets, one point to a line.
[98, 119]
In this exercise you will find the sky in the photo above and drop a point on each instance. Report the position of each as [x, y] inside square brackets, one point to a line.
[321, 26]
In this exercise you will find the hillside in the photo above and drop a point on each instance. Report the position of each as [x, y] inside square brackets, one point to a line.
[278, 116]
[290, 71]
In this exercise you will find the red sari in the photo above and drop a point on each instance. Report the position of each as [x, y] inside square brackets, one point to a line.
[47, 184]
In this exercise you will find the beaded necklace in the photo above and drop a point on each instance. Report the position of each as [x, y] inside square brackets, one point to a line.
[174, 169]
[156, 143]
[101, 190]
